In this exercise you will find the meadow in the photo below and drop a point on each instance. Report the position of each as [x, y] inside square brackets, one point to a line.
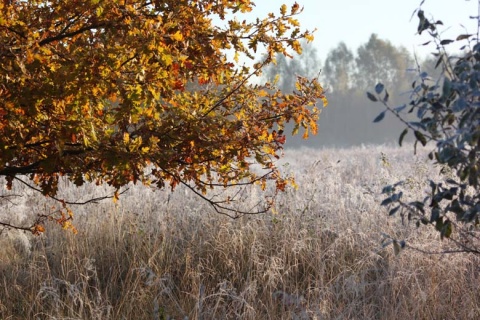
[163, 255]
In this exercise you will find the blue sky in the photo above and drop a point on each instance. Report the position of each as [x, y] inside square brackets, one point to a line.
[353, 21]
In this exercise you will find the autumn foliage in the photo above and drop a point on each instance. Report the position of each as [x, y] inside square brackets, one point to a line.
[145, 91]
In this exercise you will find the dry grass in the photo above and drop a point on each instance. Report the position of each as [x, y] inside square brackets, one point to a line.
[157, 255]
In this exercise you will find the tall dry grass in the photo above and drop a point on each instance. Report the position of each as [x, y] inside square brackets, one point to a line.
[156, 255]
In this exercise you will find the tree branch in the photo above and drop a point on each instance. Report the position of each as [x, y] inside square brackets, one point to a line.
[442, 251]
[228, 95]
[10, 226]
[93, 200]
[218, 205]
[62, 36]
[11, 171]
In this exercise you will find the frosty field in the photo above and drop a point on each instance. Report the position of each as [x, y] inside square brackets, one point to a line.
[162, 255]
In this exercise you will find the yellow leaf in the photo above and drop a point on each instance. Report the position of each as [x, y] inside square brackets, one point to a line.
[299, 118]
[115, 197]
[297, 46]
[155, 93]
[38, 229]
[309, 37]
[178, 36]
[294, 22]
[99, 11]
[30, 57]
[262, 93]
[276, 79]
[314, 127]
[168, 60]
[283, 9]
[263, 184]
[325, 101]
[94, 134]
[305, 134]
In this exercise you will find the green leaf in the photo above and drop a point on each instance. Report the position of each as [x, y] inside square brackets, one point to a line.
[463, 36]
[456, 208]
[418, 205]
[371, 97]
[445, 42]
[402, 135]
[385, 98]
[446, 231]
[393, 211]
[400, 108]
[439, 224]
[387, 201]
[380, 117]
[388, 189]
[435, 214]
[423, 24]
[379, 88]
[447, 87]
[420, 137]
[440, 59]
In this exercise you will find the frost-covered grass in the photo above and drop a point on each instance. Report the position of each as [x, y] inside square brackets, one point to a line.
[157, 255]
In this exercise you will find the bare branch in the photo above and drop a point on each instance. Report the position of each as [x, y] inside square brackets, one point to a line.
[11, 226]
[93, 200]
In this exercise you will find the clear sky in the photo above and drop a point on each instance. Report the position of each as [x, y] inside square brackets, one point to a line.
[353, 21]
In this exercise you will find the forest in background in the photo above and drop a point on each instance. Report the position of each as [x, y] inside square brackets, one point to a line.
[347, 75]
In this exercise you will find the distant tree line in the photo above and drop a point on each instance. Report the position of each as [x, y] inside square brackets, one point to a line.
[347, 74]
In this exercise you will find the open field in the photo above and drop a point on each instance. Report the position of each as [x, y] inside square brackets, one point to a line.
[156, 255]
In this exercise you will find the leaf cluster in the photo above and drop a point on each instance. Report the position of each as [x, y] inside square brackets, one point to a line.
[447, 112]
[118, 92]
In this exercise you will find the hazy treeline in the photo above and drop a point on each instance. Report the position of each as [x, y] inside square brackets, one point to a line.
[347, 75]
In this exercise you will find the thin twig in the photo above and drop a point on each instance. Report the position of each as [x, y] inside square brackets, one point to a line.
[10, 226]
[443, 251]
[93, 200]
